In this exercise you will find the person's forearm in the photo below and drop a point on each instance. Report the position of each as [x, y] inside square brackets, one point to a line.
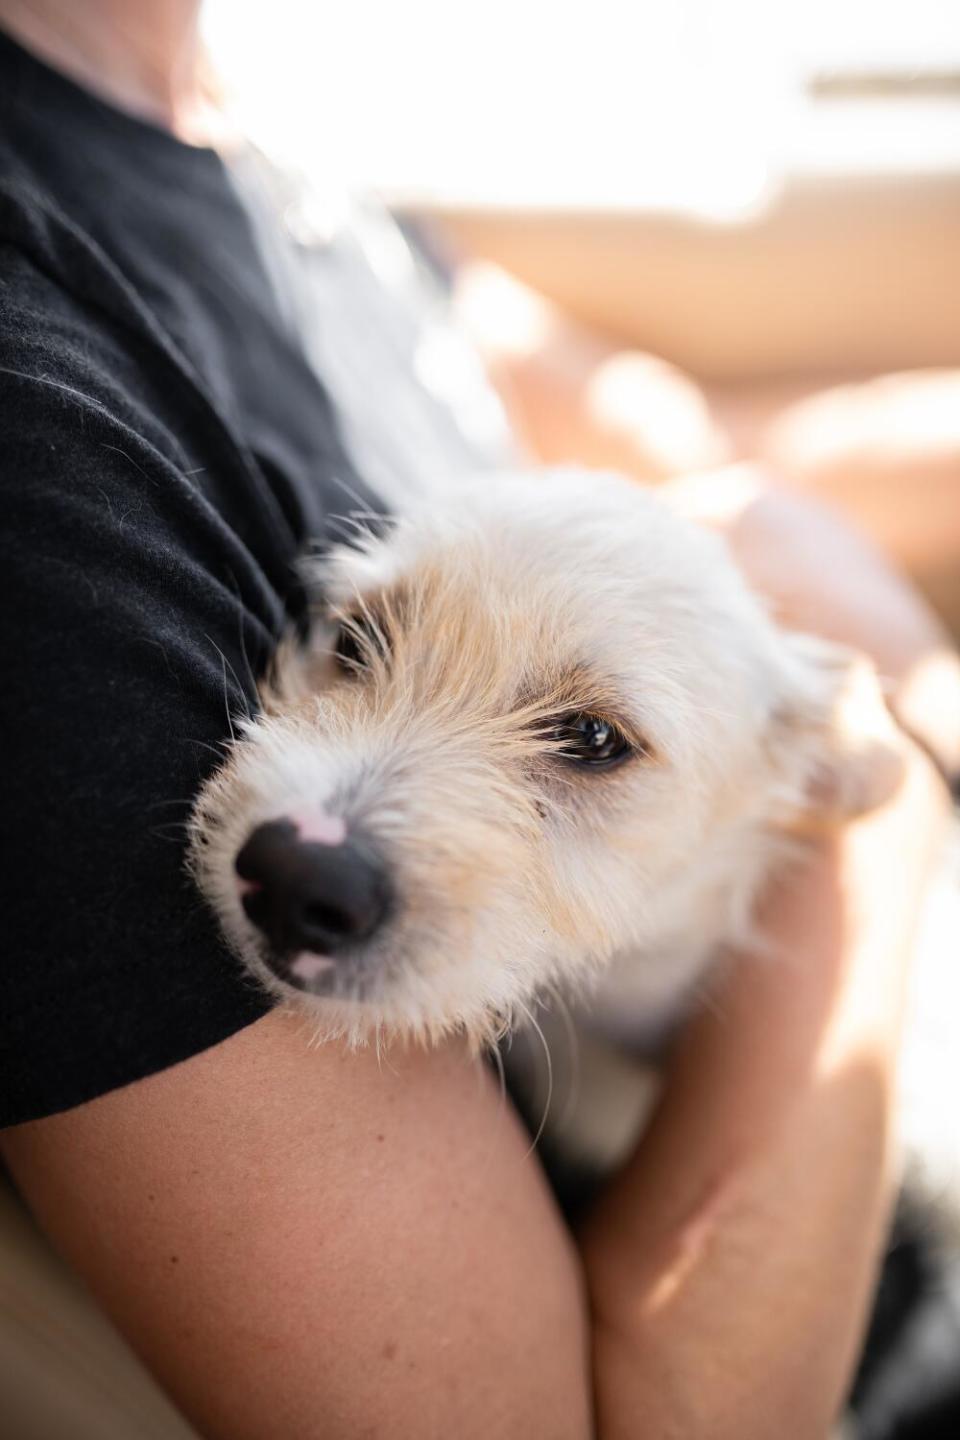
[731, 1264]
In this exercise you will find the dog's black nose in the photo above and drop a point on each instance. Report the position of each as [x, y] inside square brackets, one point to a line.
[311, 896]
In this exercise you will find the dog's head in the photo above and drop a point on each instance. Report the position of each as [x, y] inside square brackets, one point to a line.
[527, 717]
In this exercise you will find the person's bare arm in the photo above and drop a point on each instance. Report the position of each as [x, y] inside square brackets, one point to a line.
[305, 1242]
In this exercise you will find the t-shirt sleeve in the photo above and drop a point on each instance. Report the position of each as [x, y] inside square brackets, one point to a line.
[125, 646]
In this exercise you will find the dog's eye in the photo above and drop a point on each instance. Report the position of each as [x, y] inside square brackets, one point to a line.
[349, 649]
[358, 638]
[590, 740]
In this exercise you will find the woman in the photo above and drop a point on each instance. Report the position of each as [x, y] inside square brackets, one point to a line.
[298, 1241]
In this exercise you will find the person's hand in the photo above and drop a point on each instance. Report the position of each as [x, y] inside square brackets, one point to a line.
[819, 573]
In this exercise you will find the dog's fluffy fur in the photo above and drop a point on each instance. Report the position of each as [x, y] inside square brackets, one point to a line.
[477, 619]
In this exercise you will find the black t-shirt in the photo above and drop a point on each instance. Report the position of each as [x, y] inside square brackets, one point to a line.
[166, 450]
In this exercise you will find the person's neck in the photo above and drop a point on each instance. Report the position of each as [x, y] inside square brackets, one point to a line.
[141, 55]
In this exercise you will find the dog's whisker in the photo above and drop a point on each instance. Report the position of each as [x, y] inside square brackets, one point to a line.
[502, 1104]
[358, 522]
[241, 640]
[351, 492]
[573, 1088]
[524, 1009]
[216, 750]
[383, 1058]
[226, 699]
[707, 999]
[501, 1073]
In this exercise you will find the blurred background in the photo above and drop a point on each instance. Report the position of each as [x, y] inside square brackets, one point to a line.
[679, 234]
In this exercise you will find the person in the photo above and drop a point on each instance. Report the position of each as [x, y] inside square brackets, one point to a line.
[305, 1241]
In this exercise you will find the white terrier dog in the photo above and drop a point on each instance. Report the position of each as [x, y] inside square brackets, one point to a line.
[543, 738]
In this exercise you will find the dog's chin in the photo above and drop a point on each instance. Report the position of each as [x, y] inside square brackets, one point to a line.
[308, 974]
[362, 1000]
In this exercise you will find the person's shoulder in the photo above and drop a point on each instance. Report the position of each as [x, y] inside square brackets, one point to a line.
[46, 330]
[34, 304]
[72, 381]
[40, 247]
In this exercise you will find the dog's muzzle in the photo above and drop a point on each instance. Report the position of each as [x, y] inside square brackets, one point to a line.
[314, 893]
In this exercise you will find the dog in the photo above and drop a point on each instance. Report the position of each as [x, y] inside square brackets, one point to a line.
[542, 739]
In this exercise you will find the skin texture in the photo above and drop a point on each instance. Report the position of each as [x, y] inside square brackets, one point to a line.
[306, 1243]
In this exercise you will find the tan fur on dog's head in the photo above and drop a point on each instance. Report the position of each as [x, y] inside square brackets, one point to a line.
[466, 635]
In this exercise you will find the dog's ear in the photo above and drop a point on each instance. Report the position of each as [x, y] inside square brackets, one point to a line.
[835, 728]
